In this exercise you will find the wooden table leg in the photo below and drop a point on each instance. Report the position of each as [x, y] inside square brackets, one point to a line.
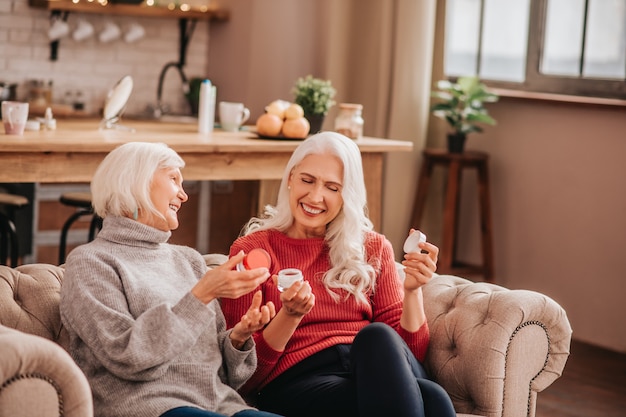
[485, 221]
[423, 184]
[450, 218]
[268, 193]
[373, 174]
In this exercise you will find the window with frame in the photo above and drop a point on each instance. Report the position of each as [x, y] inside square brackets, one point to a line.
[574, 47]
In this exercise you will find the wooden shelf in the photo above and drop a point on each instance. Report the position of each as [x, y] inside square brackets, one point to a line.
[187, 18]
[136, 10]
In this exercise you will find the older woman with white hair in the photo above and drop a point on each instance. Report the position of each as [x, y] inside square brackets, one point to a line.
[143, 315]
[349, 338]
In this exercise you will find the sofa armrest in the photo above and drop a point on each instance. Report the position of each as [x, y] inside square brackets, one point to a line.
[39, 378]
[493, 349]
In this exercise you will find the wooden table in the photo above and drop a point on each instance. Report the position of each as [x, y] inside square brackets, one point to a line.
[72, 152]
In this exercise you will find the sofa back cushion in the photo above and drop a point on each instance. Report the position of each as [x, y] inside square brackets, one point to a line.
[30, 295]
[29, 300]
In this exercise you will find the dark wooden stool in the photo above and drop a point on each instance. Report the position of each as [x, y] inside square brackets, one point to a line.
[448, 263]
[9, 244]
[82, 201]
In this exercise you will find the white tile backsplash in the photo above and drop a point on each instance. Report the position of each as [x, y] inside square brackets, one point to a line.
[93, 67]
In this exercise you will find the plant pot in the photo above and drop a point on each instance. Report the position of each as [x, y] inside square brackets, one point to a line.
[316, 121]
[456, 142]
[193, 96]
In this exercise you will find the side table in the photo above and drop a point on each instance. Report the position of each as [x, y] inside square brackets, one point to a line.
[456, 163]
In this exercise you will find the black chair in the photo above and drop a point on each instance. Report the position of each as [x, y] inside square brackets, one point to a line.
[82, 201]
[9, 243]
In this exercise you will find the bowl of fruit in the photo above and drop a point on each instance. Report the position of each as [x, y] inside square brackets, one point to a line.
[282, 120]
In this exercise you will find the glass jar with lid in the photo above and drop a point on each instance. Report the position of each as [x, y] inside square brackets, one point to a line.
[349, 121]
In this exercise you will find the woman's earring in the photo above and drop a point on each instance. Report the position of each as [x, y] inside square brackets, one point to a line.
[136, 214]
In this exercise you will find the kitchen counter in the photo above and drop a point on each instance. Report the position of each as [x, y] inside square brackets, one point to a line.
[72, 152]
[83, 135]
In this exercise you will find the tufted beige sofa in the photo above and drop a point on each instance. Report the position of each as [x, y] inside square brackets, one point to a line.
[37, 376]
[492, 349]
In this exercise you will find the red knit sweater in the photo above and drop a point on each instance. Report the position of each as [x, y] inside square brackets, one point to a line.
[329, 323]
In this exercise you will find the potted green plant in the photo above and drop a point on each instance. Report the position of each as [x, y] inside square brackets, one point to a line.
[462, 106]
[316, 98]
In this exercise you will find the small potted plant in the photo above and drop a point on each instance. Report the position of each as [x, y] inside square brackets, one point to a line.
[316, 98]
[462, 106]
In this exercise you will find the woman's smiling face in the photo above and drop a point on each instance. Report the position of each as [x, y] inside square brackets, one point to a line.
[167, 195]
[315, 199]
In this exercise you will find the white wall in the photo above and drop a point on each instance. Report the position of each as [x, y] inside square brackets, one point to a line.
[257, 56]
[558, 191]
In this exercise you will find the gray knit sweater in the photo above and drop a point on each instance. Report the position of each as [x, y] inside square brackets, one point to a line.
[144, 341]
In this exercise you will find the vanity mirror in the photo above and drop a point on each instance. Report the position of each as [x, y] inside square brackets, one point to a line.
[115, 104]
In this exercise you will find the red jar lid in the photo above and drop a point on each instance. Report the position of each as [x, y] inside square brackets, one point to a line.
[257, 258]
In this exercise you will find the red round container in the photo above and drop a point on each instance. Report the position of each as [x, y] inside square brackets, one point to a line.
[256, 258]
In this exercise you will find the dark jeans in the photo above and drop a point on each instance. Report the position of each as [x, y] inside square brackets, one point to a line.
[377, 375]
[197, 412]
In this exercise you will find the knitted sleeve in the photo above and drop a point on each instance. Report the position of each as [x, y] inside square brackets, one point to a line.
[267, 357]
[238, 364]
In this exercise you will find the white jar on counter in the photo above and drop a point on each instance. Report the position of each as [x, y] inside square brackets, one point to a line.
[206, 107]
[349, 121]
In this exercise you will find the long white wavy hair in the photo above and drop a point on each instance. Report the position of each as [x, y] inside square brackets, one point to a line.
[345, 234]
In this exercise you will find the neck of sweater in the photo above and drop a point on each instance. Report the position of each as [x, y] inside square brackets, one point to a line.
[130, 232]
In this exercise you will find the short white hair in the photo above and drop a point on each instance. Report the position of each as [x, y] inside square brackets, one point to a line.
[121, 184]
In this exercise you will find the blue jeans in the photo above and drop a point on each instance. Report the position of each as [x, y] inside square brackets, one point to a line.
[377, 375]
[197, 412]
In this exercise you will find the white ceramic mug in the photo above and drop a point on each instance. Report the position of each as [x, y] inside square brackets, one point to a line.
[110, 32]
[83, 30]
[233, 115]
[58, 29]
[14, 116]
[134, 32]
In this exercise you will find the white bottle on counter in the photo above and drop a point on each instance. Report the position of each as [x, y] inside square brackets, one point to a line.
[49, 122]
[206, 107]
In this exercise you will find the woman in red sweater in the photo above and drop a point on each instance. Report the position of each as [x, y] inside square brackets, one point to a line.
[349, 339]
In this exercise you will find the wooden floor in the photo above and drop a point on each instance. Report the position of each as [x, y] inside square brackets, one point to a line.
[593, 384]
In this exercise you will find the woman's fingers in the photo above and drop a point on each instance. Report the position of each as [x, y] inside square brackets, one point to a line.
[257, 299]
[257, 315]
[298, 299]
[225, 283]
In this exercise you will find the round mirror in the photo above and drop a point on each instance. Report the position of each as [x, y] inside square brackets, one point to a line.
[116, 101]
